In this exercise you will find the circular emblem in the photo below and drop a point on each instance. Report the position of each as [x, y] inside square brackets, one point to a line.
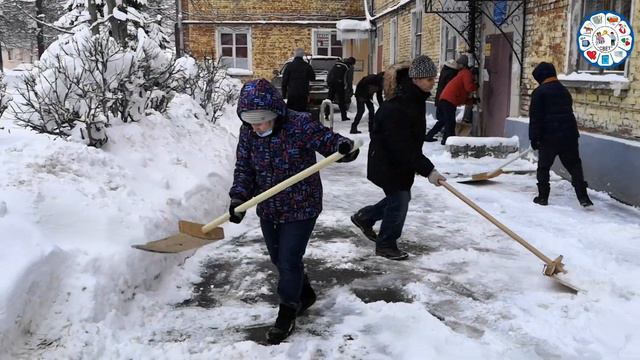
[605, 39]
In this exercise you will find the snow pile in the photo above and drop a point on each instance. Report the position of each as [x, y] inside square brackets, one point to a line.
[482, 141]
[239, 72]
[69, 213]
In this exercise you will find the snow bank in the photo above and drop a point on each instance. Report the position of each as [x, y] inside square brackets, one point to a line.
[482, 141]
[69, 213]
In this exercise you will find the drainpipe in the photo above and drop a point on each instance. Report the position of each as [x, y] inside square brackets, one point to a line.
[179, 30]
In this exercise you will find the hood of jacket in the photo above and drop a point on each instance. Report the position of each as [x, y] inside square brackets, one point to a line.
[261, 95]
[543, 71]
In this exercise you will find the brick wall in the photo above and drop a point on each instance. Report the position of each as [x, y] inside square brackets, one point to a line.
[264, 10]
[599, 110]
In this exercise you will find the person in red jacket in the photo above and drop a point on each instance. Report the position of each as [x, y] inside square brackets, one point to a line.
[456, 93]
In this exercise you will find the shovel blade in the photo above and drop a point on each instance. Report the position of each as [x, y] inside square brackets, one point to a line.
[559, 278]
[190, 237]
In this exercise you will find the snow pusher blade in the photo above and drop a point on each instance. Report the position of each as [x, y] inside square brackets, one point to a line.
[193, 235]
[552, 268]
[484, 176]
[190, 237]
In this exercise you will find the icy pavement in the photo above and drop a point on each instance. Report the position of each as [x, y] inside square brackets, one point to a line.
[467, 291]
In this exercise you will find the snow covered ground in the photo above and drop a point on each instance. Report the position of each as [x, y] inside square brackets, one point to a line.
[72, 288]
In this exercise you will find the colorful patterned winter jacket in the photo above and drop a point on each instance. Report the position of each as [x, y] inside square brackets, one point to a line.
[263, 162]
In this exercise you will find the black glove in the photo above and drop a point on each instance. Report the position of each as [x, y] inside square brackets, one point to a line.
[235, 217]
[345, 147]
[535, 145]
[350, 157]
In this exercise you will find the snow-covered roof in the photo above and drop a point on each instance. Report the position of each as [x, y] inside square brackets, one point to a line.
[239, 72]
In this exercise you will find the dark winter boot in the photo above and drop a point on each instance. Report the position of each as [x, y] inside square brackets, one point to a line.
[430, 139]
[581, 193]
[362, 224]
[308, 296]
[543, 195]
[354, 130]
[391, 253]
[285, 323]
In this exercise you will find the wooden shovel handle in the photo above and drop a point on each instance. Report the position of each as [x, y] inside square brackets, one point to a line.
[281, 186]
[497, 223]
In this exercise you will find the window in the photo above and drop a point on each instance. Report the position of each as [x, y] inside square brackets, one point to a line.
[393, 39]
[325, 42]
[450, 43]
[234, 48]
[587, 7]
[416, 30]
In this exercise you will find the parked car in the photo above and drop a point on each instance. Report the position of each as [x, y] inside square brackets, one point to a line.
[318, 89]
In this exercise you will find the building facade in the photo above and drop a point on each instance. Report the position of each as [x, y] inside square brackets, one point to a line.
[255, 38]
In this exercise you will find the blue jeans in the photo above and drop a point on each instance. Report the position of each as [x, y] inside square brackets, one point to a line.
[392, 210]
[287, 243]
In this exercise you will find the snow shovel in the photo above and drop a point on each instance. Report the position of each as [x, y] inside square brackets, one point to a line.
[193, 235]
[484, 176]
[552, 268]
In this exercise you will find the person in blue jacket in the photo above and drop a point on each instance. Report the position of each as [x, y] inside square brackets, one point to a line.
[276, 143]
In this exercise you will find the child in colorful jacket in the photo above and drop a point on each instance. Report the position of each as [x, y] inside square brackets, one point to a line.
[276, 143]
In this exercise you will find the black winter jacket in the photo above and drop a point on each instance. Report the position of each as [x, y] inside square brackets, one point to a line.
[446, 74]
[369, 85]
[551, 118]
[397, 136]
[296, 78]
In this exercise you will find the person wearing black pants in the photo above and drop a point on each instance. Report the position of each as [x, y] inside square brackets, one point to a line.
[295, 82]
[447, 73]
[553, 131]
[369, 85]
[337, 81]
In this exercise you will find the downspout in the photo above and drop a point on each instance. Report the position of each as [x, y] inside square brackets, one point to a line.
[179, 30]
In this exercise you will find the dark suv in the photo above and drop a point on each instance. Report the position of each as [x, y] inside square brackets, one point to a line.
[318, 88]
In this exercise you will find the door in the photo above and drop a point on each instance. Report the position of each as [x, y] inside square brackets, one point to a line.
[496, 92]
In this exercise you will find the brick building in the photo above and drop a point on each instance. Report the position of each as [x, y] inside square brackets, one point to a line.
[511, 37]
[258, 36]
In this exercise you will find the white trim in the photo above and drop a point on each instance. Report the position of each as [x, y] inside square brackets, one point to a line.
[393, 40]
[236, 30]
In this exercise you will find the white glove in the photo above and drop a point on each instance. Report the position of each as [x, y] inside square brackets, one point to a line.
[435, 177]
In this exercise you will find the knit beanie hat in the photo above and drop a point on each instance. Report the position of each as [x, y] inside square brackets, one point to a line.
[422, 67]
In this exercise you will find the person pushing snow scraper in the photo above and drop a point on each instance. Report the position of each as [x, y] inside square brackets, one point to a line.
[276, 143]
[395, 153]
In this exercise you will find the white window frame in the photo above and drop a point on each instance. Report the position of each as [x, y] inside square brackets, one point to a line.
[314, 42]
[235, 30]
[445, 43]
[416, 32]
[393, 41]
[574, 57]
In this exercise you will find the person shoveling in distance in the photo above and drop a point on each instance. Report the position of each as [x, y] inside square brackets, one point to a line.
[274, 144]
[553, 131]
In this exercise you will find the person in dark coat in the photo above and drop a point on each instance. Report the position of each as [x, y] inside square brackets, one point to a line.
[367, 86]
[553, 131]
[447, 73]
[395, 153]
[295, 82]
[337, 81]
[457, 92]
[276, 143]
